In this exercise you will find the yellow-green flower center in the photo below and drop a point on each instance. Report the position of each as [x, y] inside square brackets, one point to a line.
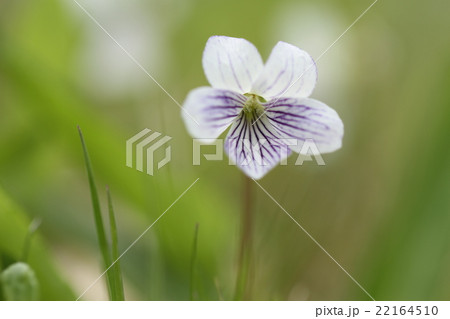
[253, 108]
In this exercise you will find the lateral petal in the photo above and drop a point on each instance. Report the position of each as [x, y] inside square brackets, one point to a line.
[207, 112]
[306, 119]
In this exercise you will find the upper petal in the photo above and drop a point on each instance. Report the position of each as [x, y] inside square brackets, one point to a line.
[231, 63]
[289, 71]
[306, 119]
[208, 112]
[255, 149]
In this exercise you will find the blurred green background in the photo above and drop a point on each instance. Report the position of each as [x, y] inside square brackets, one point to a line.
[381, 205]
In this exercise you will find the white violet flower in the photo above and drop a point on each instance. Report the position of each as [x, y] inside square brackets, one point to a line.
[267, 105]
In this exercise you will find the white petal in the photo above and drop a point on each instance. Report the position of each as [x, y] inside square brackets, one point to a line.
[255, 149]
[207, 112]
[231, 63]
[289, 71]
[306, 119]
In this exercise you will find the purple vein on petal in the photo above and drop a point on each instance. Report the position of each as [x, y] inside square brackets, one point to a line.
[285, 116]
[250, 80]
[295, 127]
[288, 83]
[233, 71]
[277, 78]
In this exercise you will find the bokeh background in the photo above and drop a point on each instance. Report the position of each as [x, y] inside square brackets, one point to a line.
[381, 205]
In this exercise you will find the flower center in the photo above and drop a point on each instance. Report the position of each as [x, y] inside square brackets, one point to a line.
[253, 108]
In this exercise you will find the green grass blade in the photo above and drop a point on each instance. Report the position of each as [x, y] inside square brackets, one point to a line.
[193, 262]
[35, 223]
[98, 218]
[116, 271]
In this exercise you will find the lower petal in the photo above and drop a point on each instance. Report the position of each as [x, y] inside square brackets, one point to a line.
[254, 146]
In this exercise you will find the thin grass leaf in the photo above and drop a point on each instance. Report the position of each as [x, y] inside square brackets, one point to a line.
[35, 223]
[218, 289]
[116, 271]
[98, 219]
[193, 263]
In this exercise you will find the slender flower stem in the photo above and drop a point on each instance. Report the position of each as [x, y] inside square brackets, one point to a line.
[193, 262]
[242, 286]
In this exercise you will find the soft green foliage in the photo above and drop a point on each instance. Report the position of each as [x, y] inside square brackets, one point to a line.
[40, 268]
[380, 206]
[18, 283]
